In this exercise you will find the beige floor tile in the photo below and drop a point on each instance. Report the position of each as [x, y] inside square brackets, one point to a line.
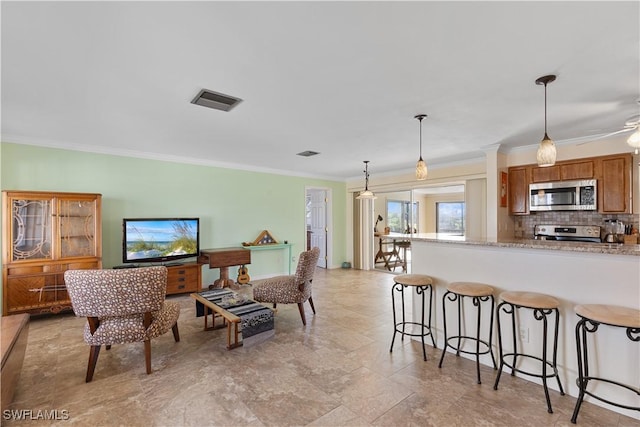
[335, 371]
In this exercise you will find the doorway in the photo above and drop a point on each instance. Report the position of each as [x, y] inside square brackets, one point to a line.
[318, 221]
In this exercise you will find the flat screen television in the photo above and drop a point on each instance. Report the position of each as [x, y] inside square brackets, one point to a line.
[159, 239]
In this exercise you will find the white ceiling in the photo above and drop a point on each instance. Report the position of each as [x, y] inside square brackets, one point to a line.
[341, 78]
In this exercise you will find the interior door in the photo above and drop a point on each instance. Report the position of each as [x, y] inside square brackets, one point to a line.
[317, 222]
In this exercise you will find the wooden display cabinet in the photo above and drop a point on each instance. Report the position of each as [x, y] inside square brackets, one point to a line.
[184, 278]
[43, 235]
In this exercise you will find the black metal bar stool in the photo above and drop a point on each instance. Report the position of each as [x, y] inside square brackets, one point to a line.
[543, 306]
[422, 284]
[479, 293]
[591, 317]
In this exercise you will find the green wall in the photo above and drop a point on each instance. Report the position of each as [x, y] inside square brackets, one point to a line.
[234, 206]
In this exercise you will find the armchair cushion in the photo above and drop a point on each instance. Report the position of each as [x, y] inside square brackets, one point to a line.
[281, 290]
[121, 330]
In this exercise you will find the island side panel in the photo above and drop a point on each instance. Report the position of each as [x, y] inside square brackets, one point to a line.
[572, 277]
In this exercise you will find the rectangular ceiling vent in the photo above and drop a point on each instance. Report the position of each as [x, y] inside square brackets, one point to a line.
[307, 153]
[215, 100]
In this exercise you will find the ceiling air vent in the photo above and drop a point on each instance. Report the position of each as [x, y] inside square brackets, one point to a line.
[215, 100]
[307, 153]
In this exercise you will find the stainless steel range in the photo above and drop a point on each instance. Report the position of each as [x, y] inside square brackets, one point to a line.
[577, 233]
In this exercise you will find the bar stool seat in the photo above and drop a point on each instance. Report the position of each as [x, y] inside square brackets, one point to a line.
[422, 283]
[591, 316]
[530, 300]
[413, 279]
[478, 292]
[543, 306]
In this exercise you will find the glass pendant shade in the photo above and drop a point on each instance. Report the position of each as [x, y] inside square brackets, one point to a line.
[421, 170]
[634, 140]
[366, 194]
[546, 155]
[421, 166]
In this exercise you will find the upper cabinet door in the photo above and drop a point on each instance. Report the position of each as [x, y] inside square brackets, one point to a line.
[30, 230]
[577, 170]
[78, 227]
[518, 190]
[615, 184]
[545, 174]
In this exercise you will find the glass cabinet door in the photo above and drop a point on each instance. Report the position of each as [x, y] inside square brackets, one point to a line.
[77, 222]
[31, 229]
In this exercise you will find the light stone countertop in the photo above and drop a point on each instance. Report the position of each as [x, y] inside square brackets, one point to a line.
[601, 248]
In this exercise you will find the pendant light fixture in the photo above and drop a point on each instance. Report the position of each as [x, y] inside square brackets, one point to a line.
[421, 166]
[547, 150]
[366, 194]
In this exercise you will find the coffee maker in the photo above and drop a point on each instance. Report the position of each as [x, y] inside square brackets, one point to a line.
[613, 231]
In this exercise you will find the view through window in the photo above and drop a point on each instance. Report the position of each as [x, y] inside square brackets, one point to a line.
[450, 218]
[399, 216]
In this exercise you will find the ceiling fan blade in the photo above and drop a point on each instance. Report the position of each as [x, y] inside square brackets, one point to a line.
[597, 137]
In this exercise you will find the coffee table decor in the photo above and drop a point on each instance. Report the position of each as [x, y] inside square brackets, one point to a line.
[248, 322]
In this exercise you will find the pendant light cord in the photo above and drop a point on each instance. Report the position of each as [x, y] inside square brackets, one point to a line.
[545, 111]
[420, 138]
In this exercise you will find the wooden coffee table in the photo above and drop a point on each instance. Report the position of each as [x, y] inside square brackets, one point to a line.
[229, 319]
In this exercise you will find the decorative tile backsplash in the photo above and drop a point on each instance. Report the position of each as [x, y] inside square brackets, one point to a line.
[524, 224]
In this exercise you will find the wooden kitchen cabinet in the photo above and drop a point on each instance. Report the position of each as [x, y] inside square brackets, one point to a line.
[546, 174]
[519, 190]
[577, 170]
[43, 235]
[613, 175]
[614, 184]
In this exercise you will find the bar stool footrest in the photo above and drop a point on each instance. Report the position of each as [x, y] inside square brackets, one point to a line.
[474, 339]
[552, 374]
[602, 399]
[403, 324]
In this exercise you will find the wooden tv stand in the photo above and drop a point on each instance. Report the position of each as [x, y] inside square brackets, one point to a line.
[184, 278]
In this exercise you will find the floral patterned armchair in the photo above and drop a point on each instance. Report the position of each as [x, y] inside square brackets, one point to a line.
[122, 306]
[293, 289]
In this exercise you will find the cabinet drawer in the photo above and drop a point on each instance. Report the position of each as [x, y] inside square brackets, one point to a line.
[181, 287]
[183, 278]
[181, 275]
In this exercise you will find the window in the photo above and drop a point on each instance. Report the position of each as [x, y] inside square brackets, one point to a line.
[399, 216]
[450, 218]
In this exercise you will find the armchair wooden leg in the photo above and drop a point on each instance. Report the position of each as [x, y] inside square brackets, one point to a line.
[147, 355]
[93, 359]
[176, 334]
[312, 307]
[301, 308]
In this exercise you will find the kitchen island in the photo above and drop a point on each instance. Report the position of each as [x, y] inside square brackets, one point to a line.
[572, 272]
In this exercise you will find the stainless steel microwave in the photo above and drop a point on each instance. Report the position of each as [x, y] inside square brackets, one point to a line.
[564, 196]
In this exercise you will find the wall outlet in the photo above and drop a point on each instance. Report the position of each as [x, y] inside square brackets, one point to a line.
[524, 335]
[293, 259]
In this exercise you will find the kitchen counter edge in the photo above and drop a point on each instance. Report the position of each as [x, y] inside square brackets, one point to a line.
[597, 248]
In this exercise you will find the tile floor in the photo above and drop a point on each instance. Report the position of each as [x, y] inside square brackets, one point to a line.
[336, 371]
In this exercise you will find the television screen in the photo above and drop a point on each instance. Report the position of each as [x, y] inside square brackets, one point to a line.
[159, 239]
